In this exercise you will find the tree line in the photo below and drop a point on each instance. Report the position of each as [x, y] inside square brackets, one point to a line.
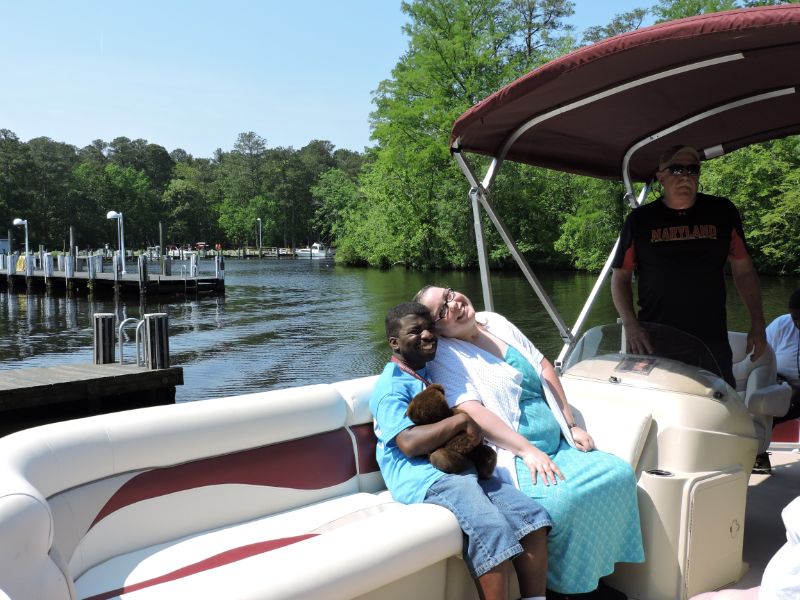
[403, 201]
[217, 200]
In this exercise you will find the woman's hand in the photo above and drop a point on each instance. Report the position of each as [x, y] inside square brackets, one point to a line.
[583, 441]
[540, 464]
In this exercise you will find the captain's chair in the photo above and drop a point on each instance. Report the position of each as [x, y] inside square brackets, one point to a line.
[757, 384]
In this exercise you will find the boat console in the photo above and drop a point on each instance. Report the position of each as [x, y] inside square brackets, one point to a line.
[695, 462]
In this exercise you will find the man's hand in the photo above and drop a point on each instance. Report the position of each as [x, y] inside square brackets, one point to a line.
[637, 338]
[470, 427]
[756, 341]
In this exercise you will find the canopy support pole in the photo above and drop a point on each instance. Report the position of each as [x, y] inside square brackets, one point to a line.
[480, 198]
[480, 242]
[598, 285]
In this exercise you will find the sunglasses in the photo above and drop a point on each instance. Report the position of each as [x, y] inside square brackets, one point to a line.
[679, 170]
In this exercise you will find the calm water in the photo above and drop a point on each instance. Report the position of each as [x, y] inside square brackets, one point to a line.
[293, 322]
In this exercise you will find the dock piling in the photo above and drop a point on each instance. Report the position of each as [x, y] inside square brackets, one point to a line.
[156, 327]
[69, 272]
[103, 324]
[143, 275]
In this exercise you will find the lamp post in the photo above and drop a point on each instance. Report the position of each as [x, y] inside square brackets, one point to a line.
[259, 236]
[24, 222]
[112, 214]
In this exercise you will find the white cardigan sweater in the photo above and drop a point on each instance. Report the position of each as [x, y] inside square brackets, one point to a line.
[469, 373]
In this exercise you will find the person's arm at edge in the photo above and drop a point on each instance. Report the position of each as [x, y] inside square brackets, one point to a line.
[500, 434]
[745, 277]
[424, 439]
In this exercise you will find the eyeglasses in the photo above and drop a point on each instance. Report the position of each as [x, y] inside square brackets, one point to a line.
[679, 170]
[449, 295]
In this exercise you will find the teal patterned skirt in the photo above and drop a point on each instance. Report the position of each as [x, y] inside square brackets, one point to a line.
[594, 509]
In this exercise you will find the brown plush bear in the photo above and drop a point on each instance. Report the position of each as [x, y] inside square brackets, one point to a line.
[430, 406]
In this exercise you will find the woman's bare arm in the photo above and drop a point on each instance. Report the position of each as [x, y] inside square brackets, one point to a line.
[502, 435]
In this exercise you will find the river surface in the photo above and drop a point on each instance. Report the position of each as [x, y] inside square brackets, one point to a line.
[295, 322]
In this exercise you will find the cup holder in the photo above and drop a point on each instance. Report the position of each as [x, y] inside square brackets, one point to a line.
[659, 473]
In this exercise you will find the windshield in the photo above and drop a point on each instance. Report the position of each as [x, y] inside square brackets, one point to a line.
[667, 342]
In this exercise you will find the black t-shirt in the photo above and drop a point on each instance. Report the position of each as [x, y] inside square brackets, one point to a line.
[679, 257]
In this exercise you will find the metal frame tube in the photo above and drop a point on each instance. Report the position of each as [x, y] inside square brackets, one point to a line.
[480, 197]
[119, 333]
[694, 119]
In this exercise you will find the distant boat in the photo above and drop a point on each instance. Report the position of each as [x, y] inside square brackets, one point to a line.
[317, 250]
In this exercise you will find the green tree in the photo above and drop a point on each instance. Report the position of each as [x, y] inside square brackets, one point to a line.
[668, 10]
[590, 229]
[348, 161]
[100, 188]
[239, 220]
[337, 197]
[50, 183]
[190, 204]
[16, 166]
[416, 209]
[759, 180]
[621, 23]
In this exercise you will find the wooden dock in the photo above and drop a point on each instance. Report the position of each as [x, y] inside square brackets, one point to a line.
[30, 397]
[126, 284]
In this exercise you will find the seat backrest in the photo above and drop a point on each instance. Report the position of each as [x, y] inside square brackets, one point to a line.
[757, 383]
[742, 365]
[357, 393]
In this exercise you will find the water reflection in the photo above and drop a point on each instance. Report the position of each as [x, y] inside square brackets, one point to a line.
[296, 322]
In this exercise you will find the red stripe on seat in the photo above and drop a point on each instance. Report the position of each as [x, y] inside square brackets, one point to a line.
[311, 463]
[366, 442]
[788, 431]
[219, 560]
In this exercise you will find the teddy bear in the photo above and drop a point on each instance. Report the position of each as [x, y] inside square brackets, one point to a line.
[430, 406]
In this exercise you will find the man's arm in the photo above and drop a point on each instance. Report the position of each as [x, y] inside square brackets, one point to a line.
[622, 294]
[745, 277]
[424, 439]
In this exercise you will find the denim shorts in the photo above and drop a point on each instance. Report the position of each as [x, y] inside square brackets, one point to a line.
[493, 515]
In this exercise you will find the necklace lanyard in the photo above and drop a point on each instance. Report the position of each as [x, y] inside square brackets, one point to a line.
[406, 369]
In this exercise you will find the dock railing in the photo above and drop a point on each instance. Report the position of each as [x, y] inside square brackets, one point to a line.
[88, 274]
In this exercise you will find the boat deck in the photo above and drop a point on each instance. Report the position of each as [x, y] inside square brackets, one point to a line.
[767, 495]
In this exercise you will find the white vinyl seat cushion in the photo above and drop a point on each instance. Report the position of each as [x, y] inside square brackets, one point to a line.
[352, 544]
[619, 429]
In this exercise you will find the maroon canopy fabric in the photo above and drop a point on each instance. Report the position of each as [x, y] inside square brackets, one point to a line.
[593, 139]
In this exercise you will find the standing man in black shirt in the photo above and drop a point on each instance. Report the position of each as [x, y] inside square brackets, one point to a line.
[678, 246]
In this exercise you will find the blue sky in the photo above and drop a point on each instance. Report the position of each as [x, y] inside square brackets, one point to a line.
[193, 74]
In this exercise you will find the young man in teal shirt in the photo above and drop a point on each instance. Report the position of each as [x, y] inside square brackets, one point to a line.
[501, 525]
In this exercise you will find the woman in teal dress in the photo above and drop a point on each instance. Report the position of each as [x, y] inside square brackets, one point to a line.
[494, 373]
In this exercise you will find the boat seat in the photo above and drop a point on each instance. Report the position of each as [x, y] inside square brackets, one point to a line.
[757, 383]
[269, 495]
[335, 540]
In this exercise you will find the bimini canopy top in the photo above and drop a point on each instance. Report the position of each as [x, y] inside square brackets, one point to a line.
[717, 82]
